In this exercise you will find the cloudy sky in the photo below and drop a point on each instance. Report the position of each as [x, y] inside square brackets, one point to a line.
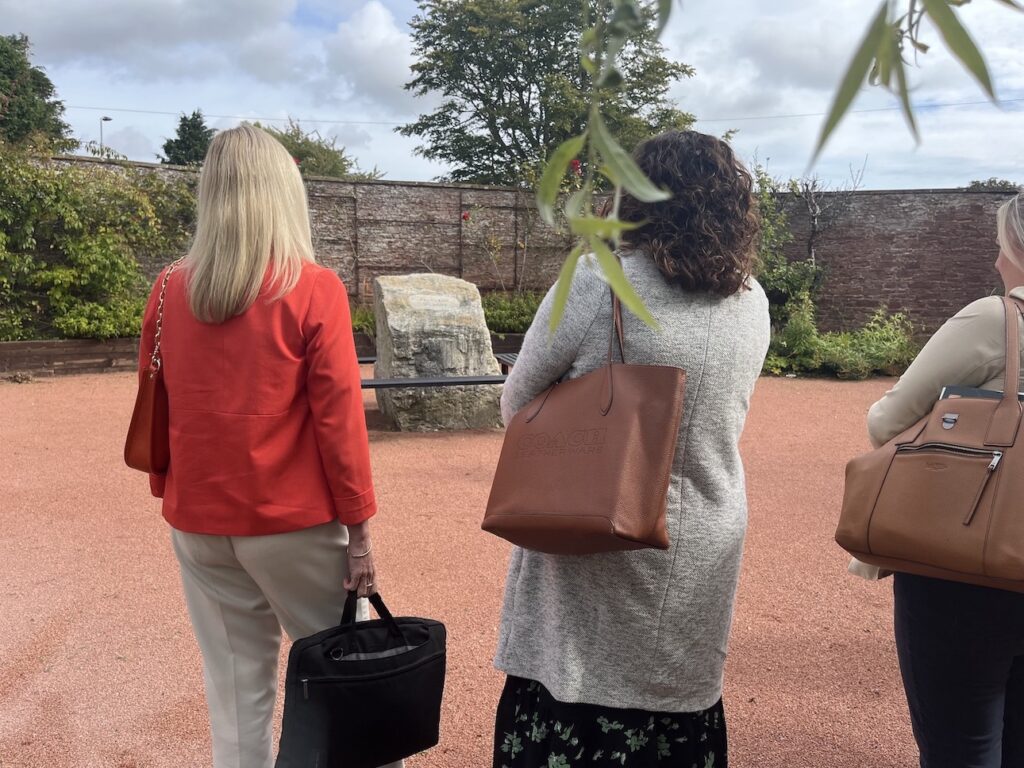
[767, 69]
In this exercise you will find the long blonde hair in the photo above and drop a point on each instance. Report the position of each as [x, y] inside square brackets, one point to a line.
[1010, 230]
[252, 213]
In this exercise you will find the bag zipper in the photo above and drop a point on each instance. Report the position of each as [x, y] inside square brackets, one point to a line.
[947, 448]
[373, 676]
[997, 456]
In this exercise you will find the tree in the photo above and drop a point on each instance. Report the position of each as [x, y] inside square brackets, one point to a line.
[824, 204]
[513, 89]
[993, 185]
[318, 156]
[189, 145]
[29, 109]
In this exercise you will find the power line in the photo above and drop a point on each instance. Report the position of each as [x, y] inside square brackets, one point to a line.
[917, 107]
[239, 117]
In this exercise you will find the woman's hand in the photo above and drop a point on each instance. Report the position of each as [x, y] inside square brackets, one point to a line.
[362, 576]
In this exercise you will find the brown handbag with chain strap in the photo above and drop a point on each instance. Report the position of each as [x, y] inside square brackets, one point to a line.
[585, 467]
[944, 498]
[148, 445]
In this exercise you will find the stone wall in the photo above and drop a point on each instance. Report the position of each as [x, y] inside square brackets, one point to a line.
[925, 252]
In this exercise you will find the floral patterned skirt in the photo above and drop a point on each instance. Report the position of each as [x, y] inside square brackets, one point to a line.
[533, 730]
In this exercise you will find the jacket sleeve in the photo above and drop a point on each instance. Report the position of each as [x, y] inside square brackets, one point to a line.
[146, 343]
[545, 357]
[336, 400]
[968, 351]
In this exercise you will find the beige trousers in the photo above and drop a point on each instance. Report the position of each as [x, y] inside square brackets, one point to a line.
[240, 591]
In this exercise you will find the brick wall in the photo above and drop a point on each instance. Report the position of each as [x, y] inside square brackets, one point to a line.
[365, 229]
[925, 252]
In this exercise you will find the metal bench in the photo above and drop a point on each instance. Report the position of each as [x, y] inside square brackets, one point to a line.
[435, 381]
[506, 360]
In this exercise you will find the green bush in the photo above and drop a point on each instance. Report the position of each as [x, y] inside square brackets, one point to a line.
[885, 345]
[510, 312]
[796, 347]
[785, 282]
[364, 321]
[71, 239]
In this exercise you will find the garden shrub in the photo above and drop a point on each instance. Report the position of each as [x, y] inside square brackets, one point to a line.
[364, 321]
[71, 239]
[786, 283]
[796, 347]
[884, 345]
[510, 312]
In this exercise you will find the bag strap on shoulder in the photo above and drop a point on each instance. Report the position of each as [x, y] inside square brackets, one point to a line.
[1005, 422]
[155, 361]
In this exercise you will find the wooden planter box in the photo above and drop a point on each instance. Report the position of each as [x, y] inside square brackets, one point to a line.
[53, 358]
[66, 356]
[506, 342]
[366, 346]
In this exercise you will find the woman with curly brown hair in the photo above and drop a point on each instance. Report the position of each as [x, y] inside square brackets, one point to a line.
[616, 659]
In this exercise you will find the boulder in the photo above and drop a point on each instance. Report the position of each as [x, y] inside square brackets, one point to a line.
[430, 326]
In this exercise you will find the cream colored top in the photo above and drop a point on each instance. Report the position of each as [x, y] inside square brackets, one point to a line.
[969, 350]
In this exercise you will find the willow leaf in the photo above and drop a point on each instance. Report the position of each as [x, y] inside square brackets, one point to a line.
[563, 286]
[619, 282]
[959, 42]
[551, 180]
[622, 165]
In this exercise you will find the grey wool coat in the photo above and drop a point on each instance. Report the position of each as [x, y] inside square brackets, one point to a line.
[644, 629]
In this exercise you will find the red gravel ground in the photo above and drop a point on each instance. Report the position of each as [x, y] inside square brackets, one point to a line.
[99, 669]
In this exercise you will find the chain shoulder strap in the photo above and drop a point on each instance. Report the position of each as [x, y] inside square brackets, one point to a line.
[155, 361]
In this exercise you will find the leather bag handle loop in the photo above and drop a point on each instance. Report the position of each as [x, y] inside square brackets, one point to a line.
[1005, 422]
[540, 406]
[617, 330]
[608, 389]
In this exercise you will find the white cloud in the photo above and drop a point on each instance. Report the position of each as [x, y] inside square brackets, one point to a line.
[155, 39]
[371, 58]
[132, 142]
[787, 60]
[347, 60]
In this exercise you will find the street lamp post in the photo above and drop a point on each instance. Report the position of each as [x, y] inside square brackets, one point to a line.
[103, 120]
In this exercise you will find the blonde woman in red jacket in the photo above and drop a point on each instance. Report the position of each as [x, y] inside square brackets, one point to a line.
[269, 491]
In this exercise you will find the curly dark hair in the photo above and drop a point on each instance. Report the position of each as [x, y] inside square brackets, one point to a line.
[703, 238]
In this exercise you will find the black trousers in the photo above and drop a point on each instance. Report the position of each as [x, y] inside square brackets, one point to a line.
[961, 652]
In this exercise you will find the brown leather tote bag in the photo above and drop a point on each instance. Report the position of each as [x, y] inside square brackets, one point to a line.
[585, 467]
[946, 497]
[148, 445]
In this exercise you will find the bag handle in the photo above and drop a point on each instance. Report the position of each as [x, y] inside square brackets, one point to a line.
[155, 361]
[1005, 422]
[348, 615]
[616, 329]
[607, 390]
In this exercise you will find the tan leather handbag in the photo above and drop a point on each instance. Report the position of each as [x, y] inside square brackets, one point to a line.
[946, 497]
[585, 467]
[148, 445]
